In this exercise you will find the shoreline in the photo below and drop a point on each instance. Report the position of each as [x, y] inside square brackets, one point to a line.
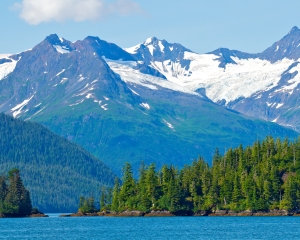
[217, 213]
[36, 215]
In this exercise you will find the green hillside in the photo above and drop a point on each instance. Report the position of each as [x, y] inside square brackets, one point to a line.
[55, 171]
[132, 134]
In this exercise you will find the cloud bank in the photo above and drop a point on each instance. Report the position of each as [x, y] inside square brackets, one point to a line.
[38, 11]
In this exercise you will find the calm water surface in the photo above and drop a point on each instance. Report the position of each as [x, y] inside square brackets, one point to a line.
[151, 228]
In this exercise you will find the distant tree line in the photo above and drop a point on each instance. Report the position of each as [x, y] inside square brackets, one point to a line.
[261, 177]
[14, 197]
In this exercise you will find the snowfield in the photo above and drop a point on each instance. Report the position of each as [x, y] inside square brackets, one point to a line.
[128, 74]
[7, 68]
[243, 79]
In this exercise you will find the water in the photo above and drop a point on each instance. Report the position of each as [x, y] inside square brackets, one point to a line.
[151, 228]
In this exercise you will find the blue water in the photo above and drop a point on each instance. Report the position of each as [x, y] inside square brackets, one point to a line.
[151, 228]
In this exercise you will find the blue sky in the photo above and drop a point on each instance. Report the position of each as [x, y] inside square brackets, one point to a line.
[200, 25]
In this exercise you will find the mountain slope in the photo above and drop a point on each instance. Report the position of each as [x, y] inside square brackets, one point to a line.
[55, 171]
[264, 85]
[95, 94]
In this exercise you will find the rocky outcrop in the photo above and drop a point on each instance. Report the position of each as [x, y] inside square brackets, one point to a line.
[252, 213]
[163, 213]
[159, 214]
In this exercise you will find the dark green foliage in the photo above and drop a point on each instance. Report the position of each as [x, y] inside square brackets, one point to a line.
[55, 171]
[262, 177]
[87, 205]
[14, 197]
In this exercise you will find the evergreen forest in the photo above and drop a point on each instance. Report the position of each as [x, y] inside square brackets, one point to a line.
[14, 197]
[261, 177]
[54, 170]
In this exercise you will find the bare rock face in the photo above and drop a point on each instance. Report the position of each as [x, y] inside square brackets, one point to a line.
[159, 214]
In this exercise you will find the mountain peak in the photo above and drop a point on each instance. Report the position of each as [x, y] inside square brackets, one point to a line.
[54, 39]
[294, 30]
[287, 47]
[92, 38]
[60, 44]
[150, 40]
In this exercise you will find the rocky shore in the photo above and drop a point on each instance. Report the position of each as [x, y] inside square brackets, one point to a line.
[218, 213]
[215, 213]
[35, 215]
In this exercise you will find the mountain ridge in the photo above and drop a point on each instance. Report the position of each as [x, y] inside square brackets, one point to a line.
[119, 112]
[237, 80]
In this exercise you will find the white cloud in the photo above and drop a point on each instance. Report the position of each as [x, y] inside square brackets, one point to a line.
[38, 11]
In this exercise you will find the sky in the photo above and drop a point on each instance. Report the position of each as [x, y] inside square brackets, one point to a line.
[199, 25]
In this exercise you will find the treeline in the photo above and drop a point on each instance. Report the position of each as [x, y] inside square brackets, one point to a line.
[14, 197]
[261, 177]
[55, 171]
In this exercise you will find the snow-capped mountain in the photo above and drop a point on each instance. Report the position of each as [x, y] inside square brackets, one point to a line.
[263, 85]
[152, 102]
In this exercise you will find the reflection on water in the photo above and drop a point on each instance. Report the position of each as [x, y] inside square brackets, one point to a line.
[55, 214]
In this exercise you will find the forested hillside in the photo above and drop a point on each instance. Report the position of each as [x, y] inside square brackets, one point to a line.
[55, 171]
[261, 177]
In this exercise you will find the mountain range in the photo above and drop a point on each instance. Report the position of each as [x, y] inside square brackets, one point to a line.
[157, 101]
[263, 85]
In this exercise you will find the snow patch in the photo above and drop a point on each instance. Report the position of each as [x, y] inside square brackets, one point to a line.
[148, 41]
[8, 67]
[133, 50]
[134, 92]
[151, 49]
[60, 72]
[61, 49]
[145, 105]
[168, 124]
[258, 97]
[81, 79]
[161, 46]
[106, 98]
[63, 80]
[275, 120]
[277, 48]
[279, 105]
[76, 103]
[104, 107]
[18, 109]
